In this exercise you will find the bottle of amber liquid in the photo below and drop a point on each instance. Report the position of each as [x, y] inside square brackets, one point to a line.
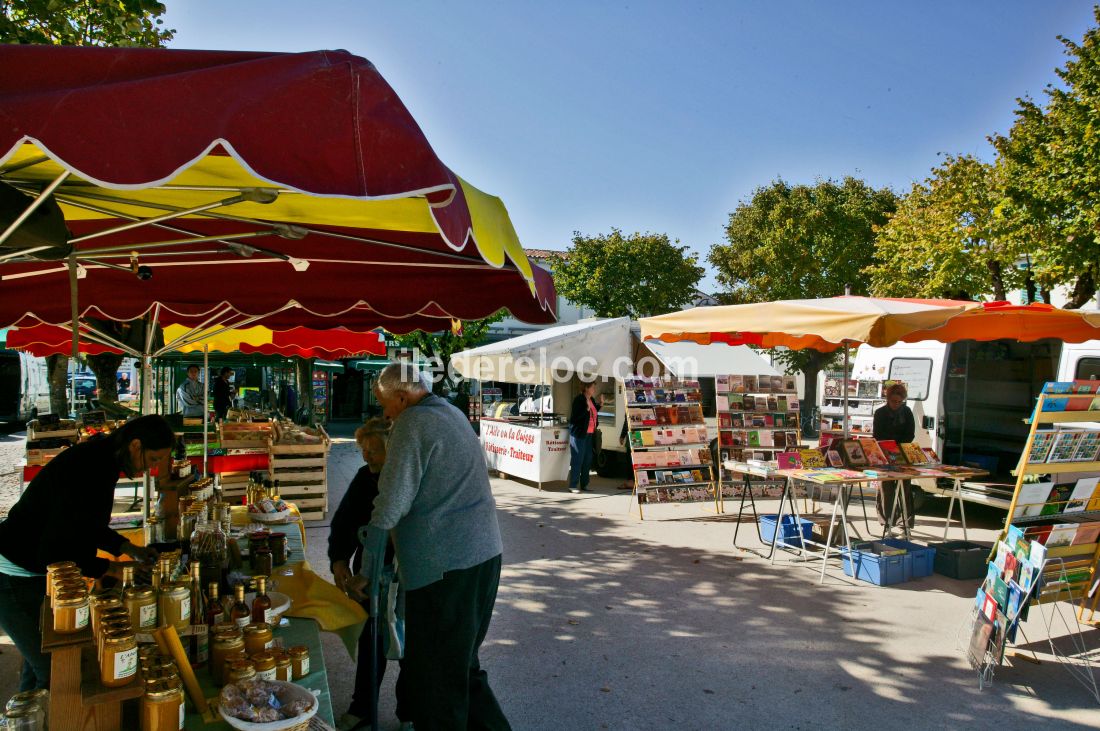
[261, 605]
[215, 613]
[200, 641]
[240, 614]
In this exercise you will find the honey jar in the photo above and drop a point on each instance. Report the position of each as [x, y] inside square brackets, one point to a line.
[108, 626]
[141, 603]
[238, 670]
[299, 661]
[175, 606]
[99, 604]
[70, 612]
[264, 662]
[257, 638]
[162, 706]
[283, 670]
[70, 585]
[118, 662]
[278, 543]
[224, 643]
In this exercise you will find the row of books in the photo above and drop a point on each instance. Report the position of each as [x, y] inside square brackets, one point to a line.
[860, 453]
[646, 478]
[1011, 578]
[663, 396]
[754, 384]
[1081, 395]
[675, 495]
[639, 416]
[667, 436]
[1065, 445]
[758, 438]
[744, 402]
[737, 454]
[735, 420]
[670, 458]
[1051, 498]
[855, 426]
[665, 382]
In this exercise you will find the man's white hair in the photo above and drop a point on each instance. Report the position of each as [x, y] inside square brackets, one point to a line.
[405, 377]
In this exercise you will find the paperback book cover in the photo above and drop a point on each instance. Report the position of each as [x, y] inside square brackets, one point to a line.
[930, 453]
[791, 386]
[725, 421]
[721, 384]
[789, 460]
[1058, 387]
[1087, 533]
[1079, 402]
[1055, 403]
[736, 401]
[748, 402]
[1057, 499]
[1040, 446]
[750, 384]
[834, 459]
[1081, 494]
[1061, 535]
[1064, 447]
[875, 457]
[736, 384]
[812, 459]
[852, 453]
[777, 384]
[913, 453]
[1083, 386]
[1087, 447]
[892, 451]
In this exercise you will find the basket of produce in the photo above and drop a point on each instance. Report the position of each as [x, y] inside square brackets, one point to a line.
[269, 511]
[267, 705]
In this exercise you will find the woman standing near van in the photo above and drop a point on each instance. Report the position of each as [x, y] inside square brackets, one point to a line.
[895, 421]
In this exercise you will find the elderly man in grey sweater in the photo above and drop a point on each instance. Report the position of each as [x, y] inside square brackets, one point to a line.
[434, 498]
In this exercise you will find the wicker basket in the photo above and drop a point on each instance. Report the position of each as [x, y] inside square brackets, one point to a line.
[280, 517]
[299, 723]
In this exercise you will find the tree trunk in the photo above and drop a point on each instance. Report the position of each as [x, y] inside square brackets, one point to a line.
[57, 367]
[809, 397]
[105, 367]
[1029, 286]
[996, 276]
[303, 368]
[1083, 290]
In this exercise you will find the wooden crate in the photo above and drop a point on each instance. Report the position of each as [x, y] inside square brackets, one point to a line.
[234, 485]
[232, 434]
[302, 472]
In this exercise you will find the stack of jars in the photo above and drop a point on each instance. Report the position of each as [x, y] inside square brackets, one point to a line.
[162, 707]
[116, 647]
[68, 594]
[28, 711]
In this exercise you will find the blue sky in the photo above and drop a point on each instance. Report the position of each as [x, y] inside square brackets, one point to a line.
[663, 116]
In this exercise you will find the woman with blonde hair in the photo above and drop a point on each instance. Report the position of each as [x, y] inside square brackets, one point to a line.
[895, 421]
[345, 557]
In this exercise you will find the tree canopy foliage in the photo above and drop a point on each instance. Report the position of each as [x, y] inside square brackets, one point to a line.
[636, 276]
[84, 22]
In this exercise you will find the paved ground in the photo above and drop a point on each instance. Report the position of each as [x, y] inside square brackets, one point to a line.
[607, 622]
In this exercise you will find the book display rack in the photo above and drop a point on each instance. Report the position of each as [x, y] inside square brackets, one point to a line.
[669, 442]
[864, 396]
[1047, 551]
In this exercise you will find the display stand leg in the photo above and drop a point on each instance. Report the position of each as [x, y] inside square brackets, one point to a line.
[841, 505]
[756, 517]
[951, 509]
[65, 683]
[787, 496]
[637, 495]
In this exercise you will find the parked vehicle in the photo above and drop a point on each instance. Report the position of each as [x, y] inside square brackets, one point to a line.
[24, 387]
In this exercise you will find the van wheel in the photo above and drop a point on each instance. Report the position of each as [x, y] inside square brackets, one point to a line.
[607, 463]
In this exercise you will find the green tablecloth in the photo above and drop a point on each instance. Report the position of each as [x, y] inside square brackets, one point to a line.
[298, 632]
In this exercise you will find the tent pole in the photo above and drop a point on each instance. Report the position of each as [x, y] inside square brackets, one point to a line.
[846, 364]
[39, 200]
[205, 410]
[146, 408]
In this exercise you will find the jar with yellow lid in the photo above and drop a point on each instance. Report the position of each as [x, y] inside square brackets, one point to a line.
[258, 637]
[264, 662]
[141, 603]
[223, 644]
[110, 627]
[70, 612]
[175, 606]
[99, 604]
[162, 706]
[118, 662]
[238, 670]
[283, 670]
[69, 585]
[299, 661]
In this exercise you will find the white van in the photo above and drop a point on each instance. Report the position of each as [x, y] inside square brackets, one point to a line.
[970, 399]
[24, 387]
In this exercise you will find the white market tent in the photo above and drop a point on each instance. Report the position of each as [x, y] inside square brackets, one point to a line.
[594, 347]
[686, 359]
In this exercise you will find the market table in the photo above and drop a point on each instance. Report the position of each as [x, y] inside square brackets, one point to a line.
[297, 632]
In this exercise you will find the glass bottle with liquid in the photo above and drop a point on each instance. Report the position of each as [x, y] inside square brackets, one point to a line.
[200, 641]
[261, 605]
[240, 614]
[215, 613]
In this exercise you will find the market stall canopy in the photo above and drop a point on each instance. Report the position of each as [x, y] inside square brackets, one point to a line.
[43, 340]
[821, 324]
[587, 348]
[1025, 323]
[228, 186]
[690, 360]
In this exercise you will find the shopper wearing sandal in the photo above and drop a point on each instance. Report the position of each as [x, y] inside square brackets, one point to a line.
[583, 418]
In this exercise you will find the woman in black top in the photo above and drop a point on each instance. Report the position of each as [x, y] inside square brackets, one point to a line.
[223, 396]
[64, 515]
[345, 554]
[894, 421]
[583, 422]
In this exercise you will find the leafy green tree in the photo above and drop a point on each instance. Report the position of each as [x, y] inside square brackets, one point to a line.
[634, 276]
[438, 347]
[948, 237]
[798, 242]
[84, 22]
[1051, 158]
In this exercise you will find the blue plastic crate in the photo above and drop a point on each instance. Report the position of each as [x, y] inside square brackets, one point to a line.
[921, 559]
[788, 532]
[872, 567]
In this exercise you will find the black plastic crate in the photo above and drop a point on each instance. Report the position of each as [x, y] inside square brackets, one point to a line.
[960, 559]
